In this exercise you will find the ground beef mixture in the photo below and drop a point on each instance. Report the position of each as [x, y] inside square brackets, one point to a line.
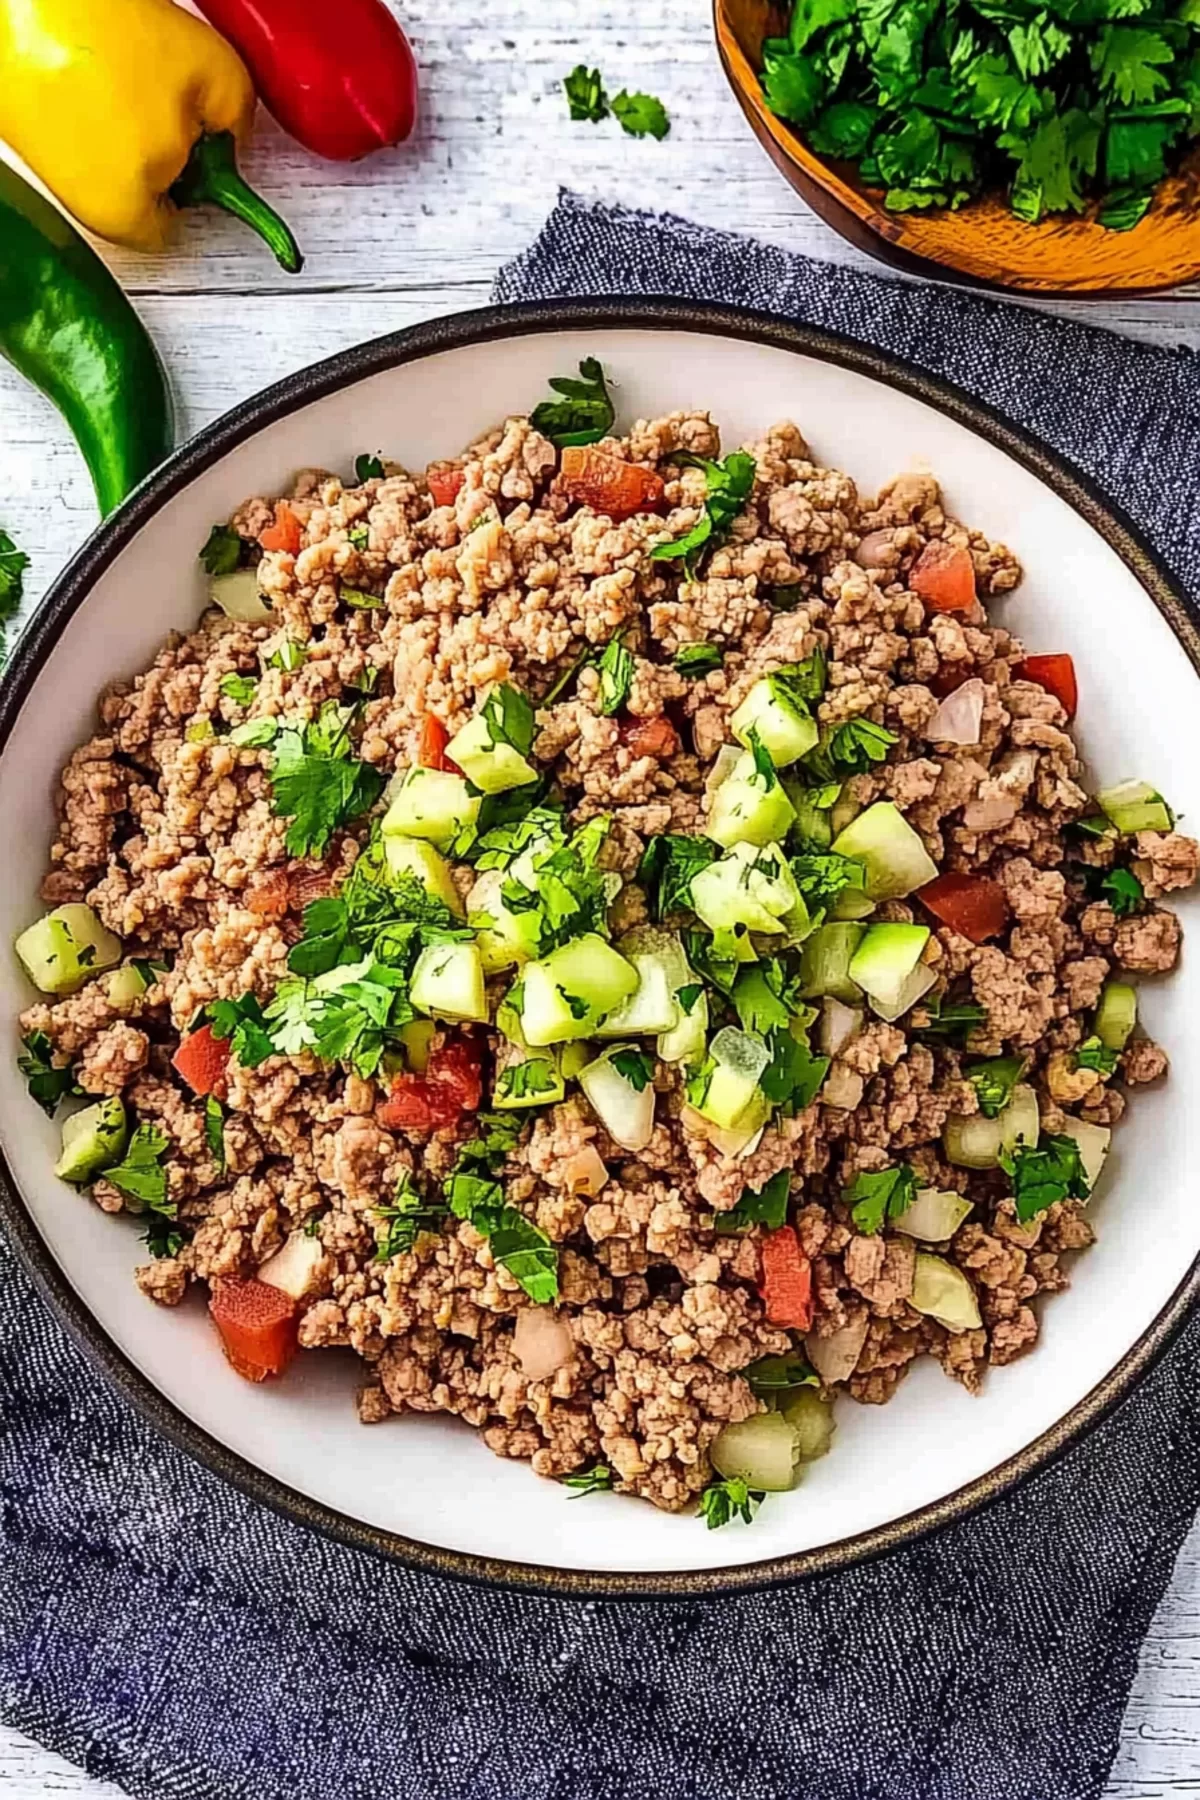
[493, 569]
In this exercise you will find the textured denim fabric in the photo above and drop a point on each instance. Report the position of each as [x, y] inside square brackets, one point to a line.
[169, 1634]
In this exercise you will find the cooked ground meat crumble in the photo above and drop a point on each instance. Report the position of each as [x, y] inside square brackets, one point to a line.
[410, 598]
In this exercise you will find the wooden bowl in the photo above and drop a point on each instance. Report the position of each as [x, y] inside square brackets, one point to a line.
[983, 245]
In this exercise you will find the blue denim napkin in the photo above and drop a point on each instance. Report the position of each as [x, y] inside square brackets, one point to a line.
[164, 1632]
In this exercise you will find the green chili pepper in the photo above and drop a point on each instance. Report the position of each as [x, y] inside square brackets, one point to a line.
[66, 325]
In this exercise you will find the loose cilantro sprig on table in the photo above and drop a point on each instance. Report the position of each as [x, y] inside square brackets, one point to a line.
[723, 1501]
[1059, 104]
[587, 101]
[876, 1197]
[585, 412]
[641, 115]
[13, 564]
[1053, 1171]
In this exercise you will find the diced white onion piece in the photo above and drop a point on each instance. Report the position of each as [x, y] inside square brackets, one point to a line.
[1093, 1141]
[918, 983]
[839, 1023]
[843, 1088]
[989, 815]
[943, 1293]
[626, 1114]
[934, 1216]
[959, 718]
[835, 1357]
[542, 1342]
[296, 1268]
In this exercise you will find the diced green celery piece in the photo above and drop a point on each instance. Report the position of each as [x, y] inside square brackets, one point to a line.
[62, 949]
[825, 962]
[761, 1451]
[743, 810]
[785, 731]
[493, 768]
[447, 981]
[431, 804]
[886, 958]
[1116, 1015]
[1135, 806]
[944, 1293]
[415, 857]
[569, 992]
[894, 858]
[92, 1139]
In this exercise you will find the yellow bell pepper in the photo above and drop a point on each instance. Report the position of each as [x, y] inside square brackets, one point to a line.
[127, 109]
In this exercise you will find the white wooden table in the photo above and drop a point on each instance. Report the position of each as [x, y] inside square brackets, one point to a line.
[422, 232]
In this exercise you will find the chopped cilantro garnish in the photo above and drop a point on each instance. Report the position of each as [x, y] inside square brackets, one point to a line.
[359, 536]
[403, 1218]
[499, 847]
[162, 1236]
[793, 1077]
[214, 1130]
[368, 468]
[723, 1501]
[584, 414]
[873, 1198]
[668, 867]
[1092, 1054]
[764, 766]
[241, 689]
[524, 1080]
[688, 995]
[596, 1480]
[765, 1206]
[801, 684]
[509, 718]
[641, 115]
[764, 999]
[13, 564]
[780, 1375]
[224, 551]
[254, 734]
[822, 876]
[1052, 1172]
[140, 1174]
[729, 484]
[360, 599]
[950, 1019]
[617, 667]
[994, 1081]
[288, 656]
[698, 659]
[849, 749]
[1123, 891]
[586, 98]
[242, 1022]
[47, 1083]
[516, 1244]
[636, 1067]
[317, 783]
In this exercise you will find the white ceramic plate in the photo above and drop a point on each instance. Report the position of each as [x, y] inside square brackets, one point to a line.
[425, 1488]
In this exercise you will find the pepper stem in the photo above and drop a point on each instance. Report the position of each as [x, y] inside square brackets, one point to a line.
[211, 178]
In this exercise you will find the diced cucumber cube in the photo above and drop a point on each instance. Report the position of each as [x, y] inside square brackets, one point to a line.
[239, 597]
[651, 1007]
[785, 731]
[685, 1042]
[762, 1451]
[569, 992]
[574, 1058]
[63, 948]
[506, 938]
[886, 958]
[752, 886]
[738, 1058]
[813, 823]
[825, 962]
[744, 810]
[810, 1416]
[431, 804]
[447, 981]
[92, 1139]
[624, 1109]
[415, 857]
[917, 984]
[1116, 1015]
[526, 1077]
[1135, 806]
[491, 767]
[943, 1293]
[125, 985]
[894, 858]
[852, 903]
[975, 1142]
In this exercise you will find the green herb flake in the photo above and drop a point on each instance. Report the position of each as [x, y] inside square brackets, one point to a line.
[764, 766]
[641, 115]
[617, 669]
[1123, 891]
[1040, 1177]
[634, 1066]
[723, 1501]
[359, 536]
[583, 414]
[1092, 1054]
[48, 1084]
[794, 1076]
[241, 689]
[772, 1375]
[403, 1219]
[243, 1024]
[668, 867]
[288, 656]
[994, 1081]
[317, 783]
[596, 1480]
[698, 659]
[875, 1198]
[525, 1080]
[767, 1206]
[224, 551]
[140, 1175]
[510, 718]
[360, 600]
[728, 486]
[687, 996]
[214, 1130]
[586, 98]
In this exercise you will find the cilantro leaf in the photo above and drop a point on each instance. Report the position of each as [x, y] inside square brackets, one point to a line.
[596, 1480]
[1040, 1177]
[885, 1194]
[288, 656]
[359, 599]
[523, 1080]
[950, 1019]
[793, 86]
[1092, 1054]
[585, 413]
[780, 1375]
[1129, 61]
[162, 1236]
[688, 995]
[822, 875]
[47, 1083]
[586, 98]
[698, 659]
[509, 718]
[214, 1130]
[368, 468]
[636, 1067]
[241, 689]
[668, 867]
[403, 1219]
[13, 564]
[793, 1077]
[844, 128]
[140, 1175]
[764, 765]
[1123, 891]
[767, 1206]
[224, 551]
[317, 783]
[728, 486]
[994, 1081]
[763, 1000]
[243, 1023]
[723, 1501]
[641, 115]
[617, 669]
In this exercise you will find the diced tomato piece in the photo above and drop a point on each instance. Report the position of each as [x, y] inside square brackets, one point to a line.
[650, 737]
[948, 677]
[431, 752]
[944, 576]
[444, 485]
[285, 533]
[970, 904]
[451, 1085]
[201, 1060]
[787, 1280]
[1056, 674]
[267, 895]
[608, 485]
[257, 1324]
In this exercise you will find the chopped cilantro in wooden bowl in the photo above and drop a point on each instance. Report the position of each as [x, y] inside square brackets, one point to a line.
[1013, 144]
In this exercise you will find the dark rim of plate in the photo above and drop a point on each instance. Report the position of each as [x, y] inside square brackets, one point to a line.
[492, 326]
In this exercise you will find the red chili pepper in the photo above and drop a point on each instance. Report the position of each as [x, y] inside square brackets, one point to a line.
[450, 1086]
[201, 1060]
[944, 576]
[445, 485]
[608, 485]
[650, 737]
[257, 1324]
[1056, 674]
[970, 904]
[285, 533]
[343, 82]
[787, 1280]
